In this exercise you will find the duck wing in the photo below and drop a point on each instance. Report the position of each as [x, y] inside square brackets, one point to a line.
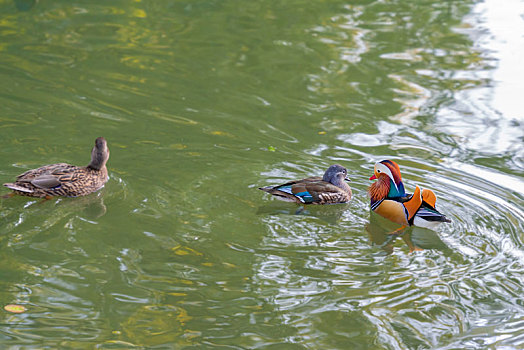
[316, 191]
[46, 181]
[429, 213]
[49, 176]
[309, 190]
[428, 210]
[285, 191]
[29, 175]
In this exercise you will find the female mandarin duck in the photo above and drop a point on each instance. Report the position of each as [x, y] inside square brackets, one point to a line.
[63, 179]
[329, 189]
[388, 199]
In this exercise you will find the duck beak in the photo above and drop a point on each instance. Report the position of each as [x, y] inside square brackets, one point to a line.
[373, 177]
[347, 179]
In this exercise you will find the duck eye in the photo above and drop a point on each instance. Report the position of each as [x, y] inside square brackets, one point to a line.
[378, 171]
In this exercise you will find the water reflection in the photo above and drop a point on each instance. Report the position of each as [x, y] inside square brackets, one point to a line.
[505, 45]
[494, 112]
[328, 213]
[205, 100]
[383, 234]
[24, 5]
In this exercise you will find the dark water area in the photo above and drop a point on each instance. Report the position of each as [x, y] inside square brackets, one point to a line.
[202, 102]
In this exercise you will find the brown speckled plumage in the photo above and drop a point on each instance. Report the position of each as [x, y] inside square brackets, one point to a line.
[63, 179]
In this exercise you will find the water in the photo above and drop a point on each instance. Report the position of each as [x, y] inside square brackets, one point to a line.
[204, 101]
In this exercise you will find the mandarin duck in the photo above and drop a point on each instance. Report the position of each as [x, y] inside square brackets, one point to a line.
[63, 179]
[389, 199]
[328, 189]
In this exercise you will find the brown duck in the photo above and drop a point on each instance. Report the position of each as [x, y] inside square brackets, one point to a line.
[328, 189]
[63, 179]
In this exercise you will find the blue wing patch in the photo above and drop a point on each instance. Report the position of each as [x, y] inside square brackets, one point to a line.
[305, 197]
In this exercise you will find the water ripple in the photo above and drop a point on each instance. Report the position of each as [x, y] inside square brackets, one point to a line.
[204, 102]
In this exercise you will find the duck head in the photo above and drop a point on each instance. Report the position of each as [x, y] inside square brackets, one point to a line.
[99, 154]
[336, 174]
[389, 183]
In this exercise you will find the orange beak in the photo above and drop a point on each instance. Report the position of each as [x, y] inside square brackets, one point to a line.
[373, 177]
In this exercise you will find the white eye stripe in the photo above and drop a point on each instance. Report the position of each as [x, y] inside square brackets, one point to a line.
[379, 167]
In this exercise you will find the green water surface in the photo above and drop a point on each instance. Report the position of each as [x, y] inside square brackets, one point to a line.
[204, 101]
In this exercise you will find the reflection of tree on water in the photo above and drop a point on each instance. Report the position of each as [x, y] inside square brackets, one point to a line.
[382, 233]
[24, 5]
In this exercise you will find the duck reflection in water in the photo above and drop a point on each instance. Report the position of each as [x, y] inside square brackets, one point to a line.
[24, 5]
[328, 213]
[380, 233]
[92, 207]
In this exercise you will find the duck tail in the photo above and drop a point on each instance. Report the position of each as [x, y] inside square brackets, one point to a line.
[431, 214]
[16, 187]
[429, 200]
[288, 197]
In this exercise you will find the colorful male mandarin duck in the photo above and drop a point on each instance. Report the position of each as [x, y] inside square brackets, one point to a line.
[329, 189]
[389, 199]
[63, 179]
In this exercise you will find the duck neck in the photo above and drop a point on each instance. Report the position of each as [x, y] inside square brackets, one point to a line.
[98, 160]
[396, 190]
[340, 183]
[95, 166]
[379, 189]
